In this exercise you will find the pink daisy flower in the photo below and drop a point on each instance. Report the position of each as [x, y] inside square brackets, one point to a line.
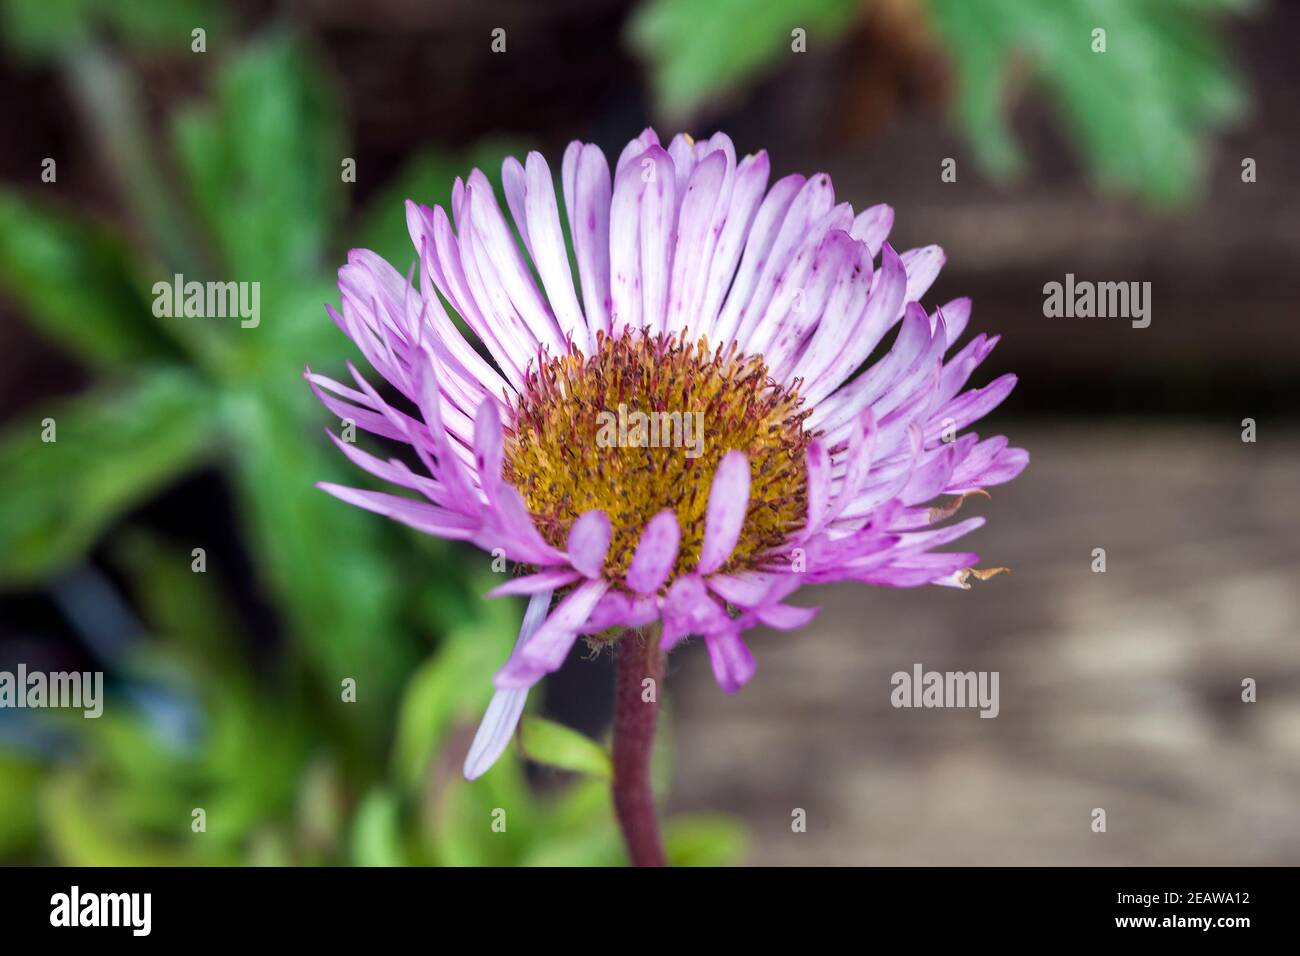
[695, 289]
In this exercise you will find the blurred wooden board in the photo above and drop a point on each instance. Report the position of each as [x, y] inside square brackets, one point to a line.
[1118, 690]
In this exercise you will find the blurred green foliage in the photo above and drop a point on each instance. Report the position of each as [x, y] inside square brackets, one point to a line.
[284, 769]
[43, 28]
[698, 51]
[1139, 112]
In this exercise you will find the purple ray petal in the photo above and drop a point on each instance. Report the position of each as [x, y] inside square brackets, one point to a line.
[502, 715]
[733, 664]
[546, 650]
[758, 243]
[923, 266]
[658, 222]
[550, 580]
[746, 195]
[419, 515]
[655, 553]
[688, 609]
[549, 251]
[589, 218]
[695, 239]
[728, 503]
[872, 226]
[786, 617]
[588, 543]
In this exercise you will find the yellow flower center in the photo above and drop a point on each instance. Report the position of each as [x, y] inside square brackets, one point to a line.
[640, 426]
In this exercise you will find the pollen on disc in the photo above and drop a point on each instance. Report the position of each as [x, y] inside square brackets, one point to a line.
[640, 425]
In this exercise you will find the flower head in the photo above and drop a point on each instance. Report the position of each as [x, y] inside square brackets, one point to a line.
[679, 436]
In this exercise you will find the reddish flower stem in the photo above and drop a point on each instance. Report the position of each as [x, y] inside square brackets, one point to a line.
[635, 719]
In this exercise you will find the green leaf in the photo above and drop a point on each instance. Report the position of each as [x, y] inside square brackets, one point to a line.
[713, 840]
[451, 687]
[263, 163]
[558, 746]
[295, 331]
[111, 450]
[84, 829]
[165, 27]
[19, 805]
[1140, 111]
[490, 821]
[253, 761]
[131, 752]
[42, 28]
[578, 829]
[596, 845]
[78, 283]
[433, 699]
[700, 51]
[335, 570]
[376, 831]
[187, 610]
[245, 769]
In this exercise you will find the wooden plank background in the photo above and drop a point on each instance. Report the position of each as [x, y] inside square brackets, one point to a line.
[1118, 690]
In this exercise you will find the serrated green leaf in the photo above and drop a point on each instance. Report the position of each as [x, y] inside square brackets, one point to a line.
[263, 163]
[1140, 111]
[558, 746]
[111, 449]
